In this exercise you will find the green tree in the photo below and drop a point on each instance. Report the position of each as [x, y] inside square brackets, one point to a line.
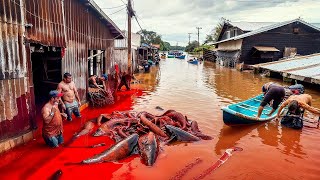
[191, 46]
[218, 28]
[150, 37]
[209, 38]
[164, 46]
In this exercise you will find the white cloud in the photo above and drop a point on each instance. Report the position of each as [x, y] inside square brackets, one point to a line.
[174, 19]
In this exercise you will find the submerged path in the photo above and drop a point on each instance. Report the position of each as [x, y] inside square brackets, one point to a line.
[199, 92]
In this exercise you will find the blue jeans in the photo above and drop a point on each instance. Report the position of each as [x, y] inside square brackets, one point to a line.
[53, 141]
[72, 108]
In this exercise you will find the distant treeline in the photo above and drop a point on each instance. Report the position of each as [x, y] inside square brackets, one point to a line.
[151, 37]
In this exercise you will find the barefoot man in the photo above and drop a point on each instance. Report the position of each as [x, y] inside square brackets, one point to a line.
[71, 100]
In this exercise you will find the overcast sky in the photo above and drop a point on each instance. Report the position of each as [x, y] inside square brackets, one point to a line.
[174, 19]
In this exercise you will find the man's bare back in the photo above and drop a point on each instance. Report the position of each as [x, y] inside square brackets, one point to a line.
[302, 98]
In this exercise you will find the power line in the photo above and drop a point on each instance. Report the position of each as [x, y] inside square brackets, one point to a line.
[123, 2]
[114, 7]
[138, 22]
[118, 11]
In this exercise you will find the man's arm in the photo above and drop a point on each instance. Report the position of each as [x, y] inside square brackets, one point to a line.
[48, 114]
[76, 94]
[94, 82]
[284, 104]
[59, 89]
[310, 108]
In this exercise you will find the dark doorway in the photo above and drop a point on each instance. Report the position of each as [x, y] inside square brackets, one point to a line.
[46, 69]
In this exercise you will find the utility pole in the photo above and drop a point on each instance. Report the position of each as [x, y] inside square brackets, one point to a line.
[130, 14]
[198, 35]
[189, 37]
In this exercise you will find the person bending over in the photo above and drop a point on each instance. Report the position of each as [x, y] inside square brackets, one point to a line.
[297, 104]
[272, 91]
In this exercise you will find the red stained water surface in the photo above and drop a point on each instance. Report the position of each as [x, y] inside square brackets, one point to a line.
[37, 161]
[270, 151]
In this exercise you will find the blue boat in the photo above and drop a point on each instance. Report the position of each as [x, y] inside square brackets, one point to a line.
[181, 56]
[245, 112]
[193, 61]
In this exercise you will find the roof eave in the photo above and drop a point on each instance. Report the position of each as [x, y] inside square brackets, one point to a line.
[118, 34]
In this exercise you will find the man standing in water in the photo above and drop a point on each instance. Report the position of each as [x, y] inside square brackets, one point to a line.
[71, 100]
[52, 120]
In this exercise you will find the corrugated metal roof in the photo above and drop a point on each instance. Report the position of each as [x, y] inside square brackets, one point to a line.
[114, 28]
[250, 26]
[267, 28]
[265, 49]
[304, 68]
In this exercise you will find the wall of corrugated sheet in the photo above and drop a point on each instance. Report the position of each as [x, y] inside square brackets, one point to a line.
[61, 23]
[121, 56]
[47, 22]
[14, 83]
[84, 32]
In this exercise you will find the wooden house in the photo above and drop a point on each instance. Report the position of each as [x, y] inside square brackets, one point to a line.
[244, 43]
[40, 40]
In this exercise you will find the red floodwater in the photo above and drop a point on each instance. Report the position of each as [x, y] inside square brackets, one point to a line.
[37, 161]
[270, 151]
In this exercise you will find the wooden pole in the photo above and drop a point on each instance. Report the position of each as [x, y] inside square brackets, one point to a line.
[198, 39]
[189, 37]
[130, 14]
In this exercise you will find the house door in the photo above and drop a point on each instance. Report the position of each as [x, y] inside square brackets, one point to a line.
[46, 70]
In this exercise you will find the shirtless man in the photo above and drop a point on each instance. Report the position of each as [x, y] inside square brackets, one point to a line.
[71, 100]
[297, 102]
[52, 120]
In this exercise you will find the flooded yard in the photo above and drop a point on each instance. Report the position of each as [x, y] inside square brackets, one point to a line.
[270, 151]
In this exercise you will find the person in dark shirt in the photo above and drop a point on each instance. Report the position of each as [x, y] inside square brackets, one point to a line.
[272, 91]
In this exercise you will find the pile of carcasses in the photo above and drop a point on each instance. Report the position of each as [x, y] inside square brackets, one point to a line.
[141, 132]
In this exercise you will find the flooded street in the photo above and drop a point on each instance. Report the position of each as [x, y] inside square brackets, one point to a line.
[121, 90]
[199, 92]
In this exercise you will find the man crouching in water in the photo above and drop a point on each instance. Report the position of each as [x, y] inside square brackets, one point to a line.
[70, 93]
[52, 120]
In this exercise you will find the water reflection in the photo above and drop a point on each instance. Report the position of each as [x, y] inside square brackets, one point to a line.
[199, 92]
[290, 139]
[269, 134]
[148, 81]
[229, 136]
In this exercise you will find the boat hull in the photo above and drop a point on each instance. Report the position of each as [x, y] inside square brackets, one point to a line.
[181, 57]
[244, 113]
[193, 62]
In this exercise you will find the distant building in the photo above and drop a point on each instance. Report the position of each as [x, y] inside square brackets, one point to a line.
[121, 51]
[247, 43]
